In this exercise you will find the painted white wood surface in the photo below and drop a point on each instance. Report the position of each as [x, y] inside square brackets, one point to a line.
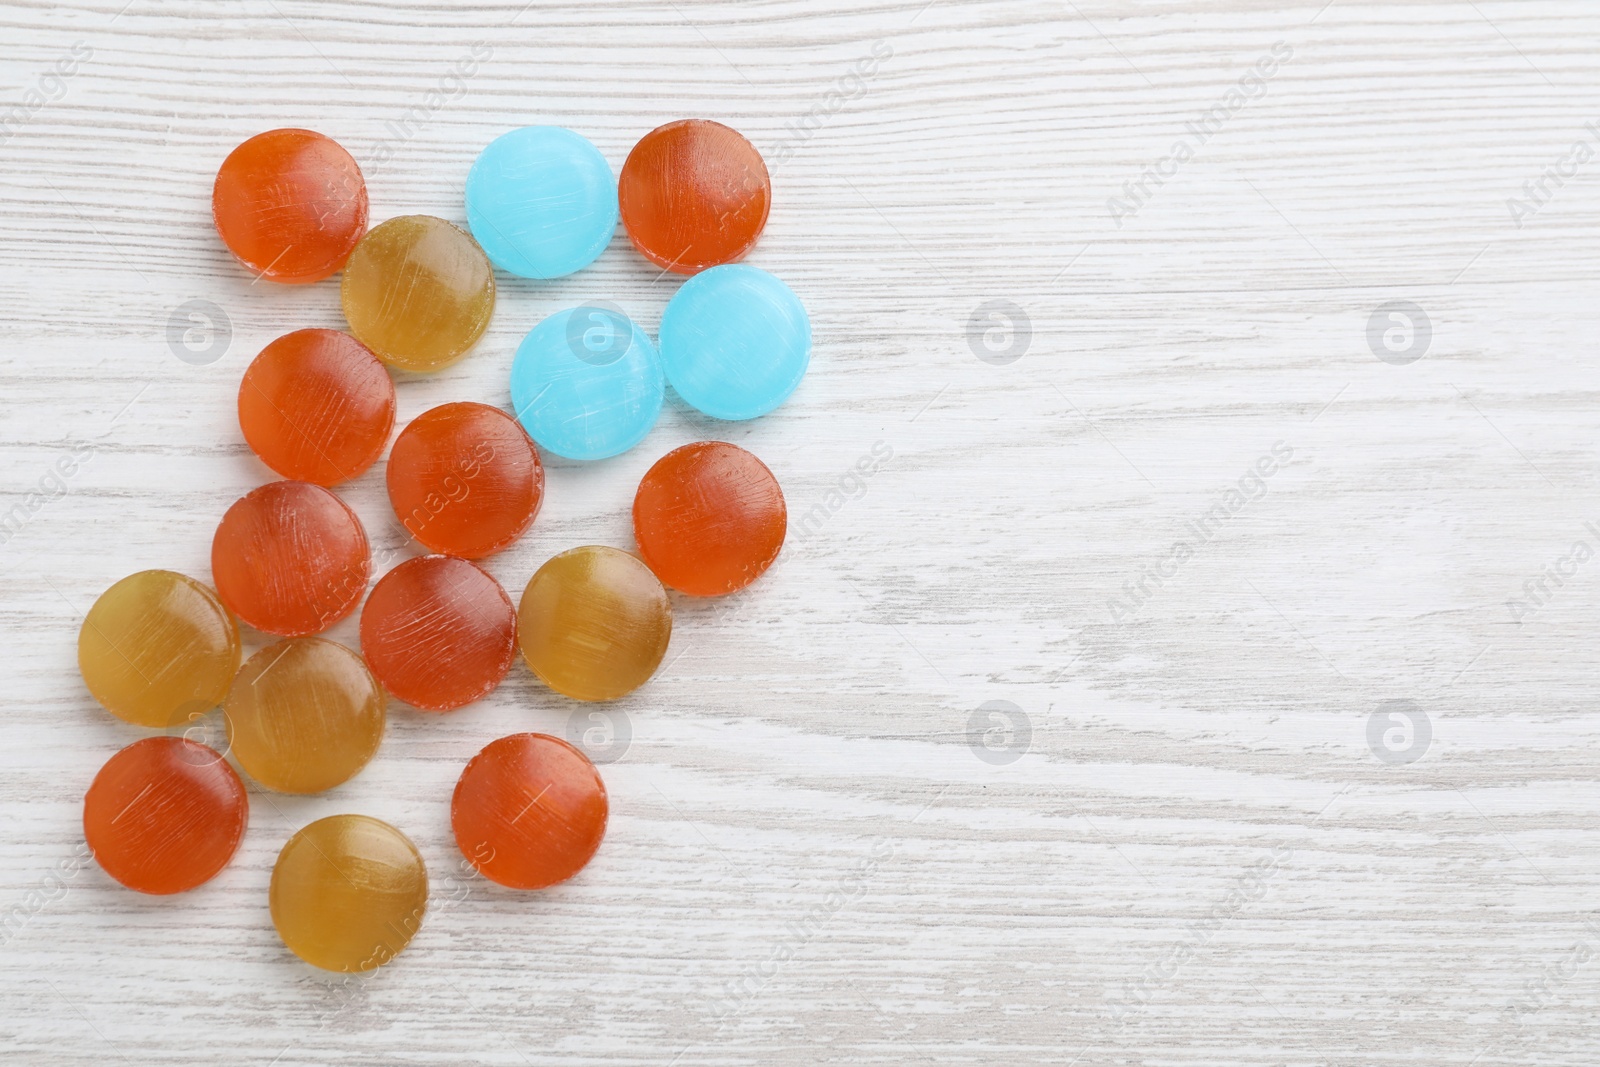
[1199, 860]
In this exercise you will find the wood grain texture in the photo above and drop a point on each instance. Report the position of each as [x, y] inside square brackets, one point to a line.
[1199, 860]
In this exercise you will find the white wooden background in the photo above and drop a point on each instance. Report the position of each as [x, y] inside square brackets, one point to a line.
[1199, 858]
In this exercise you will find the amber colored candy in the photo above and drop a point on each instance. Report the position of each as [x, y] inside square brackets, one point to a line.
[157, 649]
[348, 893]
[529, 811]
[694, 194]
[290, 205]
[418, 292]
[438, 632]
[465, 479]
[316, 405]
[709, 518]
[594, 623]
[165, 815]
[290, 559]
[304, 715]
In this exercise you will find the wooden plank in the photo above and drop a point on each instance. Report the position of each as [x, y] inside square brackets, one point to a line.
[1200, 858]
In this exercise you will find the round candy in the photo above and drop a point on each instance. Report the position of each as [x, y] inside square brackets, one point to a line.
[290, 559]
[709, 518]
[694, 194]
[542, 202]
[348, 893]
[529, 811]
[587, 383]
[316, 405]
[465, 480]
[735, 342]
[438, 632]
[594, 623]
[304, 715]
[158, 648]
[290, 205]
[418, 292]
[165, 815]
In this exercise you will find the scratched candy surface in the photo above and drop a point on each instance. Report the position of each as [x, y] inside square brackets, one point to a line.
[165, 815]
[529, 811]
[465, 479]
[694, 194]
[594, 623]
[290, 558]
[439, 632]
[541, 201]
[735, 342]
[418, 292]
[158, 649]
[290, 205]
[348, 893]
[304, 715]
[317, 406]
[709, 518]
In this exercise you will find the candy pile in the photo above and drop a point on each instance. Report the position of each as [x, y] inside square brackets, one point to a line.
[290, 559]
